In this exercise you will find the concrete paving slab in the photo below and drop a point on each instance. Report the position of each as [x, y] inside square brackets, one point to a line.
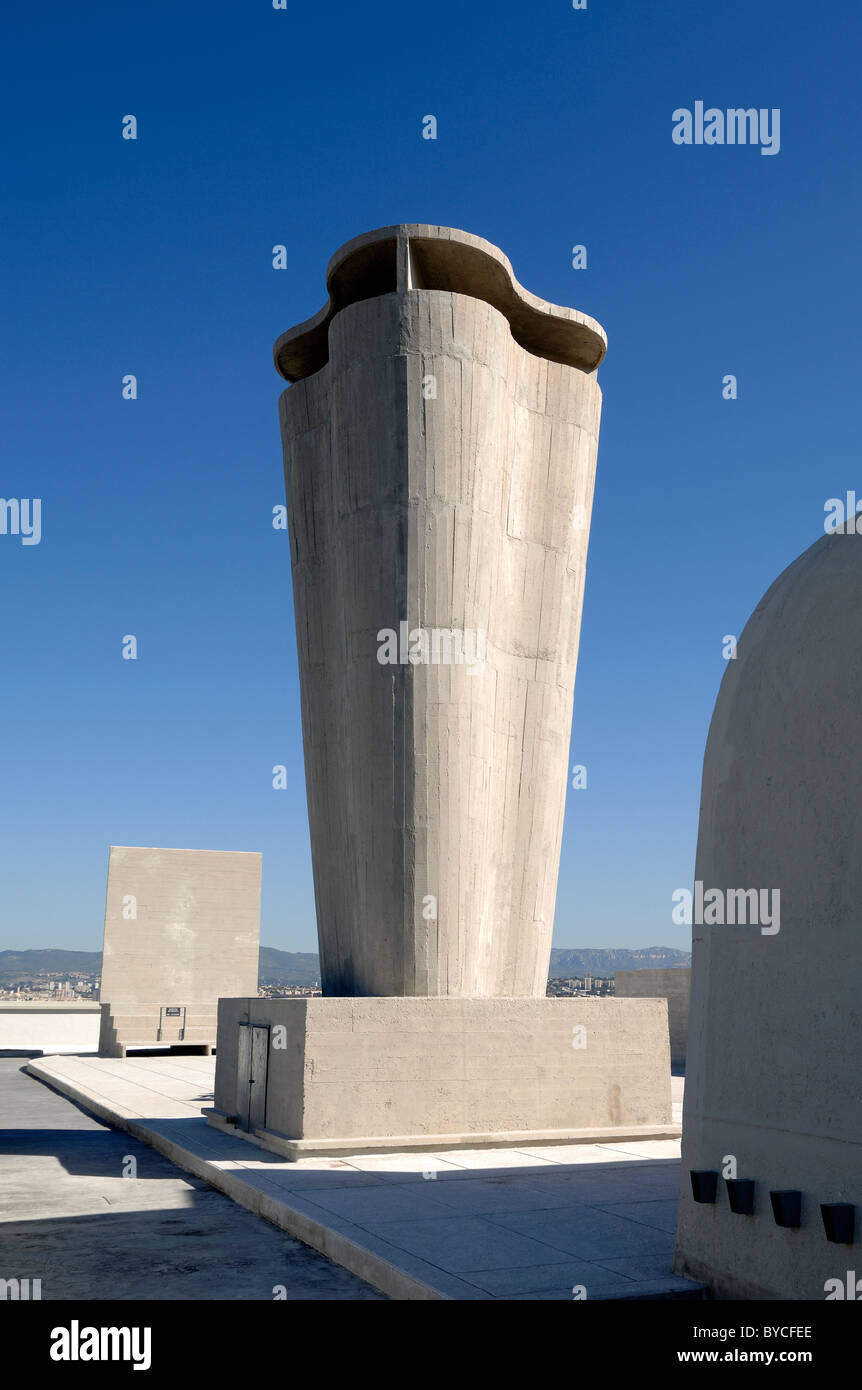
[556, 1280]
[647, 1148]
[470, 1243]
[281, 1176]
[639, 1267]
[589, 1233]
[659, 1290]
[661, 1215]
[466, 1162]
[384, 1202]
[483, 1224]
[480, 1196]
[596, 1188]
[405, 1167]
[571, 1154]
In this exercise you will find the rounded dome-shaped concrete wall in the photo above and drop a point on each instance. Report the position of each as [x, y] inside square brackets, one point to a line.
[776, 1010]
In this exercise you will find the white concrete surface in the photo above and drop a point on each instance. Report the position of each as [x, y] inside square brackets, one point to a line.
[49, 1026]
[527, 1224]
[182, 928]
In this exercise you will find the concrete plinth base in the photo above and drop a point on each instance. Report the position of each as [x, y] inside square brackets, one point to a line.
[329, 1076]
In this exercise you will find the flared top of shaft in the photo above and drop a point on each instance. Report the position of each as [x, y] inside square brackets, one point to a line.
[415, 256]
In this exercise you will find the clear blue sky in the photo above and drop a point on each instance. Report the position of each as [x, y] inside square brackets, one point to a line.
[154, 257]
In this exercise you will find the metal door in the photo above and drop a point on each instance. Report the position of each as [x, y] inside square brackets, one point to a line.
[243, 1075]
[251, 1076]
[259, 1070]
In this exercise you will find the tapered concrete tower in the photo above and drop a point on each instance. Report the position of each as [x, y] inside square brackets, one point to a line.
[440, 449]
[440, 440]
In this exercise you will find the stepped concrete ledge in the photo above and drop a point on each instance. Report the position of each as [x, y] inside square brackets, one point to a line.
[536, 1223]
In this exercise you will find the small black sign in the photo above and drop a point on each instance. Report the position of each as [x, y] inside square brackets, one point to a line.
[172, 1013]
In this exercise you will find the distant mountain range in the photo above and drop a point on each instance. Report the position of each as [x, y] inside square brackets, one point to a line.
[288, 967]
[303, 967]
[16, 963]
[569, 964]
[292, 968]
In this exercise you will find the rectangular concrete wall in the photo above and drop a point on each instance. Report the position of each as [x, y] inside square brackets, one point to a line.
[359, 1068]
[673, 985]
[182, 927]
[196, 926]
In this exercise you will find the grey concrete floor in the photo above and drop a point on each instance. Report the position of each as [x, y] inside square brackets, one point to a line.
[458, 1224]
[69, 1217]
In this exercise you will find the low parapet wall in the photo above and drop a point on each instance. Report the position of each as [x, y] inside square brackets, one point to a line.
[49, 1027]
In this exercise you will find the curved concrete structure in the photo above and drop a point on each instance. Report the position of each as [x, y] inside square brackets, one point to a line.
[417, 256]
[775, 1031]
[440, 447]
